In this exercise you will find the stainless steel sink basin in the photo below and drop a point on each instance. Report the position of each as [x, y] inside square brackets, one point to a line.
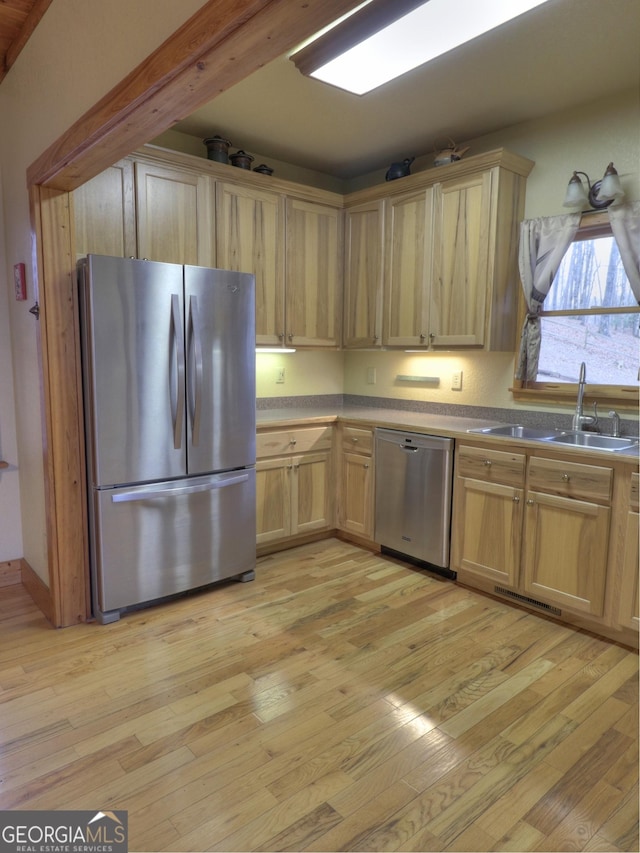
[516, 431]
[590, 439]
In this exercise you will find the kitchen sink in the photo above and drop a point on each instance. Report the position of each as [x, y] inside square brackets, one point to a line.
[516, 431]
[590, 439]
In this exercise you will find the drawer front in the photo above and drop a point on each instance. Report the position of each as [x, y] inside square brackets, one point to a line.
[571, 479]
[491, 466]
[295, 440]
[357, 440]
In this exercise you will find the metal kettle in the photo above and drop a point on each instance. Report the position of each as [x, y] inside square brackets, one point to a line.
[399, 170]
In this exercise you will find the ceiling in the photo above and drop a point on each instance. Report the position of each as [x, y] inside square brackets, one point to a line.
[568, 52]
[18, 19]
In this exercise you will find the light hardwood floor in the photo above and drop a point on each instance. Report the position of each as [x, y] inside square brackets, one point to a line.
[341, 701]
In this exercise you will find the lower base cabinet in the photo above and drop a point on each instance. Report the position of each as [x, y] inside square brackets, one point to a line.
[356, 495]
[629, 609]
[293, 492]
[537, 526]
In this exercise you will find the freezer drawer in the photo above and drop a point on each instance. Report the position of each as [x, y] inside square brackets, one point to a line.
[160, 539]
[413, 494]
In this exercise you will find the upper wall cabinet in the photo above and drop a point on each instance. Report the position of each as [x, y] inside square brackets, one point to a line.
[250, 238]
[104, 211]
[174, 210]
[313, 273]
[449, 275]
[363, 271]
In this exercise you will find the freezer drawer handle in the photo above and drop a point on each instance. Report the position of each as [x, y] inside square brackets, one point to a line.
[177, 403]
[151, 493]
[195, 388]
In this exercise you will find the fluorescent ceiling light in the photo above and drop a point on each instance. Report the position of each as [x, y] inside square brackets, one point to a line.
[432, 29]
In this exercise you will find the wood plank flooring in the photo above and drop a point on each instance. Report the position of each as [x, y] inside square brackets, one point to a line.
[341, 701]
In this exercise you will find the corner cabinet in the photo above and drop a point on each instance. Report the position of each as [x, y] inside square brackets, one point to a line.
[356, 481]
[448, 266]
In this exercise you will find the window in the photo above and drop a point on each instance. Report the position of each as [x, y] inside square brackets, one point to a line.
[590, 315]
[577, 326]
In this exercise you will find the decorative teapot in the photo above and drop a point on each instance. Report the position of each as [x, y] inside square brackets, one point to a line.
[450, 154]
[399, 170]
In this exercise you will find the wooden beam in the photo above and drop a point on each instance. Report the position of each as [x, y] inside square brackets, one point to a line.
[26, 30]
[220, 45]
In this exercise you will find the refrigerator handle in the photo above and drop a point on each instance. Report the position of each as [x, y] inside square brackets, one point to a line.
[195, 391]
[177, 402]
[154, 492]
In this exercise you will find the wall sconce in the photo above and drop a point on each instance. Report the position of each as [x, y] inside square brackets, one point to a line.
[600, 195]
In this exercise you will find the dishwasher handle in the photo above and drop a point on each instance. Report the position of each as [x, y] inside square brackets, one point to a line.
[408, 448]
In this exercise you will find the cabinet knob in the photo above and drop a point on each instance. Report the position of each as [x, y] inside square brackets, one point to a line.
[375, 338]
[566, 478]
[354, 440]
[290, 335]
[292, 441]
[529, 502]
[289, 467]
[366, 465]
[487, 463]
[281, 336]
[516, 499]
[296, 466]
[422, 336]
[432, 336]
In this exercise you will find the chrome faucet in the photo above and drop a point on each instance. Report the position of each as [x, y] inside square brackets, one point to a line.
[580, 420]
[615, 426]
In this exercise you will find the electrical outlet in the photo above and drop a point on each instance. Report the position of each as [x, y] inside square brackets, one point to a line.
[280, 376]
[371, 376]
[456, 380]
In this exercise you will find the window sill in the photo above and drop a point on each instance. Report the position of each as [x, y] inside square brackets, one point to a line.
[625, 398]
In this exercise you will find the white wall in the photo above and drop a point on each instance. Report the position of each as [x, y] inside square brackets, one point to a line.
[79, 51]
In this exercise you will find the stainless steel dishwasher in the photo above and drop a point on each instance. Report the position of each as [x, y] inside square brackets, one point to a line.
[413, 496]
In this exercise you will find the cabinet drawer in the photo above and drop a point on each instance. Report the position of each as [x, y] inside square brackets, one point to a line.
[571, 479]
[491, 466]
[357, 440]
[295, 440]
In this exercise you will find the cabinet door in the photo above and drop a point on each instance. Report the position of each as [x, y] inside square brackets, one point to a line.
[104, 211]
[175, 215]
[629, 612]
[311, 503]
[250, 238]
[462, 234]
[273, 499]
[313, 274]
[486, 532]
[364, 236]
[408, 229]
[357, 494]
[565, 551]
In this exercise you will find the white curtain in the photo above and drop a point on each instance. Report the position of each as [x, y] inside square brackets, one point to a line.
[543, 244]
[625, 224]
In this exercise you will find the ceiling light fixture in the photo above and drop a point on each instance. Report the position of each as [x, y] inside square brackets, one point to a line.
[386, 38]
[600, 194]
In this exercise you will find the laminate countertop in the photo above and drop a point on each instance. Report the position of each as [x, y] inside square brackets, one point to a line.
[443, 425]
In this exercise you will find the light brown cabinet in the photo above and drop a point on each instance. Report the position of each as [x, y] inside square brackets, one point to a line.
[313, 274]
[294, 479]
[450, 238]
[104, 213]
[174, 215]
[363, 275]
[537, 526]
[250, 238]
[629, 607]
[356, 468]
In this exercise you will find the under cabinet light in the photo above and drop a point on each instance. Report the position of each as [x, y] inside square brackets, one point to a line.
[386, 38]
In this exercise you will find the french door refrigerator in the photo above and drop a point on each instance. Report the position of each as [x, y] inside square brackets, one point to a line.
[168, 354]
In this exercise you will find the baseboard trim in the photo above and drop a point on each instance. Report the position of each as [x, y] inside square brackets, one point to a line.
[37, 589]
[10, 572]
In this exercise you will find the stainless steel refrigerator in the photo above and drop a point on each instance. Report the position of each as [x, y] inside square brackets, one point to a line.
[168, 355]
